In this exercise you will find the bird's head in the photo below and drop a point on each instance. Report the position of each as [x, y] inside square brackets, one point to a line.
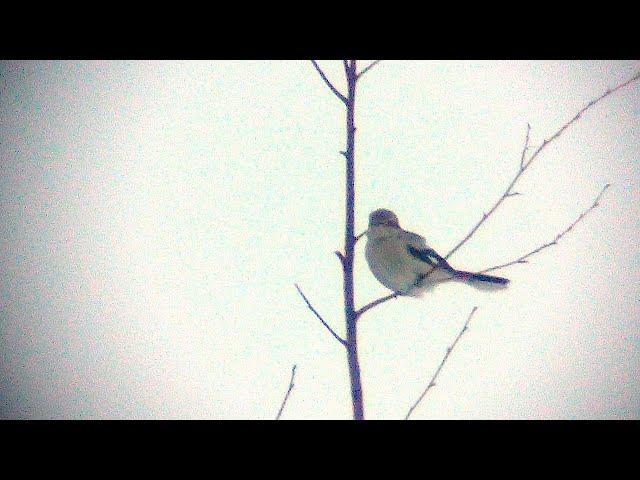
[383, 217]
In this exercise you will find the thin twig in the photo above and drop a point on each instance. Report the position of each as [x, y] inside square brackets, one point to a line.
[507, 193]
[370, 305]
[337, 337]
[286, 396]
[359, 237]
[524, 164]
[523, 258]
[329, 84]
[432, 382]
[525, 147]
[519, 260]
[369, 67]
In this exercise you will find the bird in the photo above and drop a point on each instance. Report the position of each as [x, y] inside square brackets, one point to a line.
[403, 261]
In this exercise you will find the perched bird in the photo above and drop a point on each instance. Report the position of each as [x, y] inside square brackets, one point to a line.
[403, 262]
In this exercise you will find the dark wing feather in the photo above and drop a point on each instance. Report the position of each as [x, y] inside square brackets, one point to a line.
[430, 256]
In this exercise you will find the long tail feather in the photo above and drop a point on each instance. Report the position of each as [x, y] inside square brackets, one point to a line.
[481, 277]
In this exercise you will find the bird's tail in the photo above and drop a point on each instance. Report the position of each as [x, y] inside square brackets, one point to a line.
[480, 277]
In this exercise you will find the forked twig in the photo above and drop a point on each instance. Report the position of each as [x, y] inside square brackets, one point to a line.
[523, 258]
[524, 164]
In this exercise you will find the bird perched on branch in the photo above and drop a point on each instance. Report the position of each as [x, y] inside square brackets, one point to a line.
[403, 262]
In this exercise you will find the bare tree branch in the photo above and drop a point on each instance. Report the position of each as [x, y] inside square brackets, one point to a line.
[507, 193]
[524, 164]
[523, 258]
[286, 396]
[329, 84]
[357, 398]
[377, 302]
[525, 147]
[346, 256]
[315, 312]
[432, 382]
[368, 67]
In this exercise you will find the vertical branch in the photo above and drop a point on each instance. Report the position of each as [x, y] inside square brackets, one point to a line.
[349, 243]
[347, 258]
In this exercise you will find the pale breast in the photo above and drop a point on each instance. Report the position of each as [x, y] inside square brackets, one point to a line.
[390, 262]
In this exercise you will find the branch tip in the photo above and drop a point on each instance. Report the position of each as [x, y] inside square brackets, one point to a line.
[366, 69]
[335, 91]
[558, 237]
[286, 396]
[432, 381]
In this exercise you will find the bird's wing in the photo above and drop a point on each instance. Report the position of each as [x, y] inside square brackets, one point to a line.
[417, 247]
[413, 239]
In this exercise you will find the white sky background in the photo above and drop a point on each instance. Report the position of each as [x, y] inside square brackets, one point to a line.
[155, 216]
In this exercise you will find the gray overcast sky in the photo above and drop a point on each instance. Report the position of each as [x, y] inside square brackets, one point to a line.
[155, 216]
